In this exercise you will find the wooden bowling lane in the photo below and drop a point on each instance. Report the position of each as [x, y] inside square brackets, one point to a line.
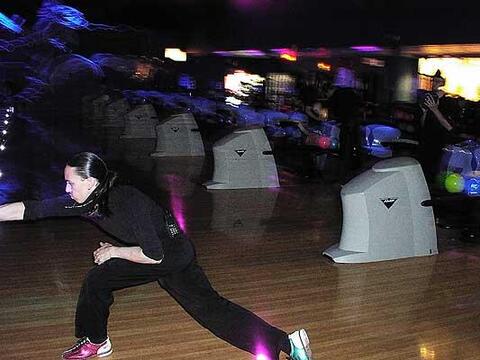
[262, 249]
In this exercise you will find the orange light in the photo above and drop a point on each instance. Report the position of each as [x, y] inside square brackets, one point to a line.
[462, 75]
[143, 71]
[288, 57]
[324, 66]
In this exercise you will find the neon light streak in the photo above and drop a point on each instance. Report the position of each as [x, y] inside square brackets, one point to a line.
[9, 24]
[64, 15]
[366, 48]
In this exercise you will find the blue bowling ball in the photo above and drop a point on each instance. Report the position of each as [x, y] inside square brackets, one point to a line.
[472, 186]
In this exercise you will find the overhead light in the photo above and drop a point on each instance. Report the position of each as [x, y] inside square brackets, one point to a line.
[324, 66]
[286, 54]
[175, 54]
[373, 62]
[462, 75]
[288, 57]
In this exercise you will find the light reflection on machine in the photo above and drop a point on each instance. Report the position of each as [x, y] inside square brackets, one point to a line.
[373, 137]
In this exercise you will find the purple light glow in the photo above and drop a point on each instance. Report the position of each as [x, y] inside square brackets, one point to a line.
[177, 204]
[242, 53]
[251, 4]
[367, 48]
[222, 53]
[282, 50]
[320, 52]
[345, 78]
[62, 14]
[261, 357]
[260, 352]
[286, 53]
[244, 2]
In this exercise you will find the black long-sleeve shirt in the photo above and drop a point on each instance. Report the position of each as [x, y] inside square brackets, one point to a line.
[434, 136]
[136, 219]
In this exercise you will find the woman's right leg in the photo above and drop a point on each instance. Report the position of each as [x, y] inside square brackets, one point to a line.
[94, 302]
[96, 295]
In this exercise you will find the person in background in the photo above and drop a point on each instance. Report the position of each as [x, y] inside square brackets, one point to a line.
[436, 126]
[345, 104]
[316, 112]
[308, 90]
[153, 248]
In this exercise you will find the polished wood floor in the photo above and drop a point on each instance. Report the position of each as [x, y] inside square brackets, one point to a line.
[261, 249]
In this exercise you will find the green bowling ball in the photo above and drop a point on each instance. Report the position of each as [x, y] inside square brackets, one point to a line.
[440, 178]
[454, 183]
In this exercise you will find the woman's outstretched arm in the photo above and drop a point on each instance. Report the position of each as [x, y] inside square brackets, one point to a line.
[12, 211]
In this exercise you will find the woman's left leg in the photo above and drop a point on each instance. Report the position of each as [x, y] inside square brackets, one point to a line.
[230, 322]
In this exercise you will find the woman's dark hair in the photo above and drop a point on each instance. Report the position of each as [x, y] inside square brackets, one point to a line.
[87, 165]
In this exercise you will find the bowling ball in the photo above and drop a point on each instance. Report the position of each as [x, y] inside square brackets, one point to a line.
[324, 142]
[454, 183]
[440, 178]
[472, 186]
[334, 144]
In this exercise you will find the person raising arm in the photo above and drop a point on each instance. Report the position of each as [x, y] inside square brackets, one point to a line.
[432, 104]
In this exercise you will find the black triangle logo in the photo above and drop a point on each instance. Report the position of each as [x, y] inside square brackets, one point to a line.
[240, 152]
[175, 129]
[238, 223]
[388, 202]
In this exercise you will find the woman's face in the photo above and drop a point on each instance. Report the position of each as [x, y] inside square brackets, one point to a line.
[438, 82]
[78, 188]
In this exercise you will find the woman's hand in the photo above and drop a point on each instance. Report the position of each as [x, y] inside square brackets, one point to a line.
[105, 252]
[430, 102]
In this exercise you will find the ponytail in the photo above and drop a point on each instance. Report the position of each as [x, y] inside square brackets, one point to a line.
[87, 165]
[101, 193]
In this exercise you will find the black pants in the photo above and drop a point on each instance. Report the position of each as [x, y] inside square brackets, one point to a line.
[349, 141]
[181, 276]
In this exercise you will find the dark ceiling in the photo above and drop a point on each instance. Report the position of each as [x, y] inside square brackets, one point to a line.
[237, 24]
